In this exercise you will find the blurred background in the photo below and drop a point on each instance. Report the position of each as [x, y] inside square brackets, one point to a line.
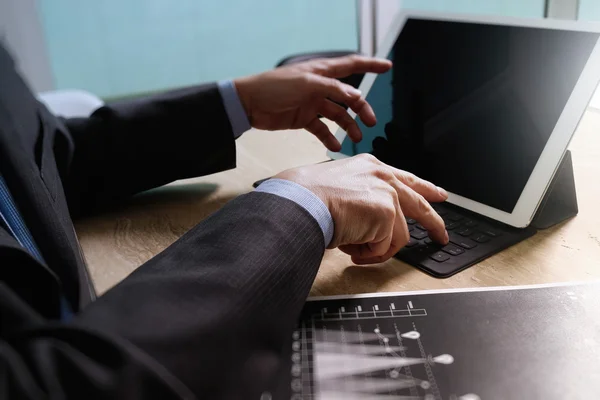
[116, 48]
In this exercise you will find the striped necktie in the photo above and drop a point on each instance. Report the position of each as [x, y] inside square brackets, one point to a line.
[14, 223]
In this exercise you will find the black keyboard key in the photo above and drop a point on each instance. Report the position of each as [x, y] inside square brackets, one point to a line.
[491, 232]
[441, 211]
[439, 256]
[418, 234]
[462, 251]
[410, 228]
[411, 243]
[470, 223]
[452, 225]
[481, 238]
[420, 252]
[421, 227]
[465, 231]
[462, 241]
[453, 217]
[410, 221]
[427, 248]
[453, 250]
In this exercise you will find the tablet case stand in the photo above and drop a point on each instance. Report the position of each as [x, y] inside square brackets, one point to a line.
[560, 201]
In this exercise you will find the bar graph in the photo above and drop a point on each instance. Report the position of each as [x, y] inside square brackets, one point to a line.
[538, 342]
[357, 352]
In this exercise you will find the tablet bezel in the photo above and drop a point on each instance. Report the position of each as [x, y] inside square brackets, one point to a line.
[555, 148]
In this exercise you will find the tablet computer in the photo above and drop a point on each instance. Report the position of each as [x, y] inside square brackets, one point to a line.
[484, 107]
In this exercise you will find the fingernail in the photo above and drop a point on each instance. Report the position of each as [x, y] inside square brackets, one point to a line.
[354, 92]
[446, 236]
[442, 191]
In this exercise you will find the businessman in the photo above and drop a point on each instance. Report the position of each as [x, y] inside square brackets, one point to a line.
[212, 315]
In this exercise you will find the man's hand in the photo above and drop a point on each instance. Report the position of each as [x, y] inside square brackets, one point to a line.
[292, 97]
[368, 201]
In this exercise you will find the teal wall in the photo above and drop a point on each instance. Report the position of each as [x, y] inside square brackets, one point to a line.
[515, 8]
[120, 47]
[589, 10]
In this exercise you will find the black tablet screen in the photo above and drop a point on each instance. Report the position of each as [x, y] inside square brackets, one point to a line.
[471, 106]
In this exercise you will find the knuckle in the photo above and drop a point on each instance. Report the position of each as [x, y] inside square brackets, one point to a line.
[383, 173]
[405, 238]
[394, 195]
[402, 236]
[329, 82]
[367, 157]
[423, 206]
[340, 114]
[410, 178]
[320, 133]
[359, 104]
[320, 65]
[324, 132]
[336, 85]
[345, 124]
[306, 79]
[389, 212]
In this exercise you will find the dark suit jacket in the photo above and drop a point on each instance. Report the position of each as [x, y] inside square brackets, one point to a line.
[210, 317]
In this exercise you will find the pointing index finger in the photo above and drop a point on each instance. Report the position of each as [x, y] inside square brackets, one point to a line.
[340, 67]
[425, 188]
[415, 206]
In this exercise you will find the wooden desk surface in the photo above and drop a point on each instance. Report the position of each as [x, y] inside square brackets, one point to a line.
[119, 241]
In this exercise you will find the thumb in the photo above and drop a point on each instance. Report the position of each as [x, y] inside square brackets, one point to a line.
[366, 251]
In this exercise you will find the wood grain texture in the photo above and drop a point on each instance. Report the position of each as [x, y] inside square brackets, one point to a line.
[120, 240]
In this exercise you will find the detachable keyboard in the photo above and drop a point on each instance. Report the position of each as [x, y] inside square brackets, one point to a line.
[473, 238]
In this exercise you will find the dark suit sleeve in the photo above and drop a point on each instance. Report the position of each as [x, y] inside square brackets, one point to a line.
[127, 147]
[210, 316]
